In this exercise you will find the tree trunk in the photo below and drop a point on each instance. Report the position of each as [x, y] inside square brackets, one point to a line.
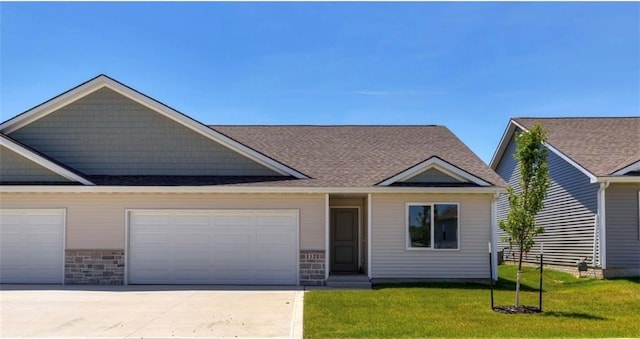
[518, 279]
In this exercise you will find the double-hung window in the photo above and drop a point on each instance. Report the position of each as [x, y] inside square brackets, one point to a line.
[433, 226]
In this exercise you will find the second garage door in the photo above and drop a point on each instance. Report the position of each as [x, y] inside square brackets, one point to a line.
[31, 246]
[247, 247]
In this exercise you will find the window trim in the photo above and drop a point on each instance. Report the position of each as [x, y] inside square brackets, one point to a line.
[407, 237]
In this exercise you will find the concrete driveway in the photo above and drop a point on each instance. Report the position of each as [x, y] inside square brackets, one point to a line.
[150, 312]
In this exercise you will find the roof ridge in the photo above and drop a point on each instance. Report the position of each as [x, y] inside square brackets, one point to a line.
[582, 117]
[318, 125]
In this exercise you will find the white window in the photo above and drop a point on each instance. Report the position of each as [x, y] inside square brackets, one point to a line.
[432, 226]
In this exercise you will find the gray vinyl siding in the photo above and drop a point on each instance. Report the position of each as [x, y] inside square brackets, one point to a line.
[105, 133]
[568, 216]
[390, 258]
[16, 168]
[623, 238]
[432, 175]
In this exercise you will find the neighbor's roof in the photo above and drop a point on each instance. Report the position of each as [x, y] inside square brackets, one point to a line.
[358, 156]
[601, 145]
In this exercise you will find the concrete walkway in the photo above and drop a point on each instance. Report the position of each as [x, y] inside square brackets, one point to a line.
[150, 312]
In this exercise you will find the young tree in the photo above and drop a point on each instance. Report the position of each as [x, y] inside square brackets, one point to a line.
[525, 204]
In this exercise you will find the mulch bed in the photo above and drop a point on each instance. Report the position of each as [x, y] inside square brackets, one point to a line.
[510, 309]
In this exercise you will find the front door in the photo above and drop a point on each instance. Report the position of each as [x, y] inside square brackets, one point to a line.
[344, 240]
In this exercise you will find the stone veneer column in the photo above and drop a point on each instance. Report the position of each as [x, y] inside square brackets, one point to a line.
[312, 268]
[94, 267]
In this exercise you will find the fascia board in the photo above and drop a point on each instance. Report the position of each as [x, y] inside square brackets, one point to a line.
[36, 158]
[502, 145]
[246, 189]
[104, 81]
[564, 157]
[617, 179]
[630, 168]
[438, 163]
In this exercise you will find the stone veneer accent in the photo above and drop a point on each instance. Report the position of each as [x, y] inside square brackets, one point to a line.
[312, 268]
[94, 267]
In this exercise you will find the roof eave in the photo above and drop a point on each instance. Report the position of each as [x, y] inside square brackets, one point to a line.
[102, 81]
[438, 163]
[246, 189]
[42, 161]
[506, 137]
[616, 179]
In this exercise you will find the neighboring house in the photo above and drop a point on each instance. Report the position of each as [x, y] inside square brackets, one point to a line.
[104, 185]
[591, 210]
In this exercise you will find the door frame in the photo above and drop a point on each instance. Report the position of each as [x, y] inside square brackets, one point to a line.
[359, 240]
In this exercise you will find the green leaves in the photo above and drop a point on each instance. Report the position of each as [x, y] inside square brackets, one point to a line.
[531, 155]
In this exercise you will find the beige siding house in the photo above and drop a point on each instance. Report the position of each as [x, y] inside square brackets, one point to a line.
[104, 185]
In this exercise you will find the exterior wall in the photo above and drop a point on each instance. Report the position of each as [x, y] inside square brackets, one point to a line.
[94, 267]
[432, 175]
[106, 133]
[97, 221]
[312, 267]
[569, 215]
[391, 259]
[623, 230]
[96, 229]
[16, 168]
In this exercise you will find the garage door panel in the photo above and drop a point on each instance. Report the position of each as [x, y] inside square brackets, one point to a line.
[225, 237]
[187, 220]
[31, 246]
[192, 238]
[233, 247]
[234, 220]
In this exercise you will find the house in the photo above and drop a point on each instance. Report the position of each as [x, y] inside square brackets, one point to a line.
[104, 185]
[591, 210]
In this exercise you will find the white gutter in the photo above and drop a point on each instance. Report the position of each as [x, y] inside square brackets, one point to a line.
[242, 189]
[494, 235]
[616, 179]
[603, 224]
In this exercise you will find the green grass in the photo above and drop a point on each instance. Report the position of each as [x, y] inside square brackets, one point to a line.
[573, 307]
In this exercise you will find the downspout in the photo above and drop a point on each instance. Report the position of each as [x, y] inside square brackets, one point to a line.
[369, 240]
[327, 246]
[603, 223]
[494, 235]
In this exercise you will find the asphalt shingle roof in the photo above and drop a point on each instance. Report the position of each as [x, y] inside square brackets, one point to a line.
[600, 145]
[357, 156]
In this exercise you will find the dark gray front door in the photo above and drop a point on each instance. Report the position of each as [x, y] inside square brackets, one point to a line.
[344, 240]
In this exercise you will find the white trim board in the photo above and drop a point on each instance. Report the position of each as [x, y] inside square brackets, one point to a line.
[508, 135]
[630, 168]
[245, 189]
[102, 81]
[39, 160]
[439, 164]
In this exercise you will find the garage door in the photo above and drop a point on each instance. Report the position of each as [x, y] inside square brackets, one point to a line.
[31, 246]
[247, 247]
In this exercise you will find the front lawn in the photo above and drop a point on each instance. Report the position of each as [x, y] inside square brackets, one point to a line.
[573, 307]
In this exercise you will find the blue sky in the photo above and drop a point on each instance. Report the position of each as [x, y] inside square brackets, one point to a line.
[469, 66]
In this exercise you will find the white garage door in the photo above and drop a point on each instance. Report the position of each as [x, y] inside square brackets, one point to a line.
[247, 247]
[31, 246]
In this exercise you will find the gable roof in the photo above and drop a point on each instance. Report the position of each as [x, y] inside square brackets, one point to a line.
[102, 81]
[596, 146]
[361, 156]
[43, 160]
